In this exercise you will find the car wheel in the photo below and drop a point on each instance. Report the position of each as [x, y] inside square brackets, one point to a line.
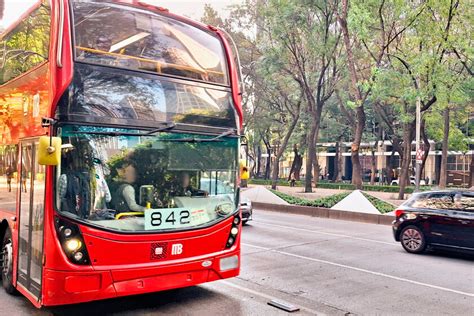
[7, 263]
[245, 222]
[413, 240]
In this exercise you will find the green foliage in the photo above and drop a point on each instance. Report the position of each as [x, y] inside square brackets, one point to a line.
[379, 204]
[330, 201]
[27, 45]
[327, 202]
[430, 56]
[343, 186]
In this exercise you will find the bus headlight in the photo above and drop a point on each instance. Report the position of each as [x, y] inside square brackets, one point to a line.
[73, 245]
[67, 232]
[72, 242]
[78, 256]
[234, 231]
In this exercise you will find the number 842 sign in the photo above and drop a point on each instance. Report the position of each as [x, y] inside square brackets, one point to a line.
[169, 218]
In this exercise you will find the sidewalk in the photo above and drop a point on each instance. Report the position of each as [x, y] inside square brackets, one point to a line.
[317, 193]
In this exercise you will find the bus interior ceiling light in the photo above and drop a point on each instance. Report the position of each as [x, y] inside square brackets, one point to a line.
[128, 41]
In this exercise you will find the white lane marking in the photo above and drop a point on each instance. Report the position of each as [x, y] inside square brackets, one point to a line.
[329, 234]
[362, 270]
[268, 297]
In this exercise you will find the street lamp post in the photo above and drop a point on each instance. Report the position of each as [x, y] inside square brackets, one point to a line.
[418, 132]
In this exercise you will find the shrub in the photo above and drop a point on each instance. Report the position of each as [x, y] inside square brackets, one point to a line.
[342, 186]
[328, 201]
[382, 206]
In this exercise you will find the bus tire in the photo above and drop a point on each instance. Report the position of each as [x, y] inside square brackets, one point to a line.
[7, 263]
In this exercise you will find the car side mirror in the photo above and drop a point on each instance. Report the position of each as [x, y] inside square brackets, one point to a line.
[49, 151]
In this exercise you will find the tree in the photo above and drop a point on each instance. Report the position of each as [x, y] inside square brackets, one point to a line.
[366, 52]
[420, 67]
[300, 39]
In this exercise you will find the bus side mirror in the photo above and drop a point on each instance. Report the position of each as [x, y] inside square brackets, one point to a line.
[49, 151]
[244, 141]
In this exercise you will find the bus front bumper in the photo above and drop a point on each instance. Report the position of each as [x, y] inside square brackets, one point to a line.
[71, 287]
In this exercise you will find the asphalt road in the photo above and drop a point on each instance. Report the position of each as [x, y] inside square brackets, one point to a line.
[322, 266]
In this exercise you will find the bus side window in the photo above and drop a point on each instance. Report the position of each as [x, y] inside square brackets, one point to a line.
[27, 45]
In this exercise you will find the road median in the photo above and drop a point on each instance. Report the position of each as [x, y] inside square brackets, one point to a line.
[326, 213]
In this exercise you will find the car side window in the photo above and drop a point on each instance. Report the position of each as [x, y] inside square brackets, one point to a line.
[467, 203]
[435, 201]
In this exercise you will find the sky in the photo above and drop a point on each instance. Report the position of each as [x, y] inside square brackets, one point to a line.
[191, 8]
[195, 8]
[13, 9]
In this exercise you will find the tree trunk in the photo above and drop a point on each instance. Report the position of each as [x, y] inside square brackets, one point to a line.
[338, 162]
[316, 170]
[268, 164]
[355, 148]
[259, 161]
[310, 156]
[296, 164]
[356, 96]
[444, 156]
[276, 163]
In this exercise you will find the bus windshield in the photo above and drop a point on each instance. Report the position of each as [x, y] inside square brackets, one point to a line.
[126, 37]
[128, 180]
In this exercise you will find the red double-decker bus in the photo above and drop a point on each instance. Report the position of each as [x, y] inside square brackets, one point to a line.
[119, 145]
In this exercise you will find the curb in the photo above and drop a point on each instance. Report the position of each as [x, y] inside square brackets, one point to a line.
[326, 213]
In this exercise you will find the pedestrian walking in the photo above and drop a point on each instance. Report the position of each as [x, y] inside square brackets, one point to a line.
[292, 180]
[9, 173]
[24, 176]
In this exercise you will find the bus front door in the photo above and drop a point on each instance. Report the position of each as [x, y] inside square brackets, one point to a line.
[30, 250]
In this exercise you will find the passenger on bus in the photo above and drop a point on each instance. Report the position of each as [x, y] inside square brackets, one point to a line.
[74, 187]
[124, 198]
[186, 189]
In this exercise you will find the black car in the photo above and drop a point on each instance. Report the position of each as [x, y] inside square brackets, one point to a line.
[437, 219]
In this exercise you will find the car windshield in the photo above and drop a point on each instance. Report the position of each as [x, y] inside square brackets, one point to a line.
[125, 37]
[130, 180]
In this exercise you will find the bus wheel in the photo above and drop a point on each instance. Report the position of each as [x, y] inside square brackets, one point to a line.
[6, 259]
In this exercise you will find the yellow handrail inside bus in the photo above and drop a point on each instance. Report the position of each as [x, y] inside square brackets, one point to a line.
[159, 65]
[119, 216]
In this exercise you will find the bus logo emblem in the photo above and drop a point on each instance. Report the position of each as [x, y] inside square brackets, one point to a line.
[158, 251]
[176, 249]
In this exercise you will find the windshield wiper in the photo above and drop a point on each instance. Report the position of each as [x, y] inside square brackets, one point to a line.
[169, 126]
[218, 138]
